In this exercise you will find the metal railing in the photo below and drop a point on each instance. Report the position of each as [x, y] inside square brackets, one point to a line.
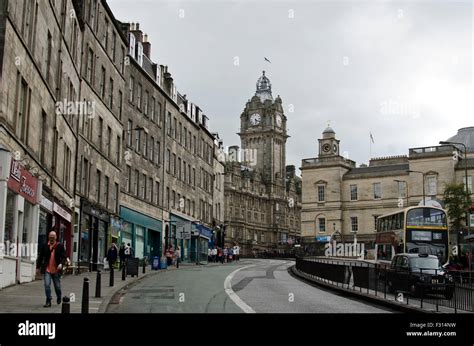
[424, 288]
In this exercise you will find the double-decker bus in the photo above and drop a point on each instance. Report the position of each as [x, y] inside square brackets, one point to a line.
[420, 229]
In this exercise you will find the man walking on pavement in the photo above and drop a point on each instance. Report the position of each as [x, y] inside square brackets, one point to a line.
[50, 263]
[112, 255]
[121, 254]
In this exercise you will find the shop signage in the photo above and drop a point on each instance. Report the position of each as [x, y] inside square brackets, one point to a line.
[46, 203]
[61, 212]
[323, 238]
[23, 182]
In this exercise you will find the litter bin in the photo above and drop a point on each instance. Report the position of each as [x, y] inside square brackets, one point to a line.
[155, 264]
[163, 263]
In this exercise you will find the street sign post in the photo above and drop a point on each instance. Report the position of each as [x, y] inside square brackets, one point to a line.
[183, 230]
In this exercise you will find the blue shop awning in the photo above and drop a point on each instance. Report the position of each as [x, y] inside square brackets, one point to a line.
[204, 231]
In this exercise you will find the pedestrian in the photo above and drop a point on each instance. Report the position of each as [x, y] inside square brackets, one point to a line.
[230, 254]
[214, 255]
[237, 252]
[226, 253]
[209, 254]
[220, 255]
[177, 255]
[121, 254]
[169, 256]
[50, 263]
[112, 254]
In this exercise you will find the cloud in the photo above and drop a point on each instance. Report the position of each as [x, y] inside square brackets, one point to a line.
[401, 70]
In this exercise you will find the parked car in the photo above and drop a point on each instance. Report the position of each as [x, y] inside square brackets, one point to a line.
[419, 274]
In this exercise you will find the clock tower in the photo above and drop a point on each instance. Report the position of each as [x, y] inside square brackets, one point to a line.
[328, 145]
[263, 134]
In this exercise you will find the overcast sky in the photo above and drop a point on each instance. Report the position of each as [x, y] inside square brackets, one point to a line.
[402, 70]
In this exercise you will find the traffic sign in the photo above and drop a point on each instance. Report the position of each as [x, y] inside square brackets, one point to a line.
[183, 230]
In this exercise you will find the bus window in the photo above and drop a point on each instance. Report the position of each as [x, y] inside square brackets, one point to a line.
[426, 217]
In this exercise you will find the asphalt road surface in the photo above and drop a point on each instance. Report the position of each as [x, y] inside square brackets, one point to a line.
[260, 285]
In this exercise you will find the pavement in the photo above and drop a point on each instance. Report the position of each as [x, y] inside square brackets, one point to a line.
[249, 285]
[30, 297]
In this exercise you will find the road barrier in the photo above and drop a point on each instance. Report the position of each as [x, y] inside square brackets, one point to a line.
[426, 288]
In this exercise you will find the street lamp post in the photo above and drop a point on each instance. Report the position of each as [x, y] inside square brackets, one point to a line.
[465, 175]
[423, 183]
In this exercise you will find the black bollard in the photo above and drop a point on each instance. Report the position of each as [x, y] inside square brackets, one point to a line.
[66, 307]
[144, 266]
[85, 296]
[123, 272]
[111, 281]
[97, 284]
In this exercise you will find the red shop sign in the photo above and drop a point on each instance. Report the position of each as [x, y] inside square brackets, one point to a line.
[23, 182]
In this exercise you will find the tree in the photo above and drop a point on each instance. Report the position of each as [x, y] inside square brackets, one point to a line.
[454, 198]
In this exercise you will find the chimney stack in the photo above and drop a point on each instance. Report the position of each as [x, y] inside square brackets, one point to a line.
[137, 32]
[146, 47]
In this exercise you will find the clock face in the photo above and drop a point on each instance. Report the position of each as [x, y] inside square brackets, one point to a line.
[278, 120]
[326, 147]
[334, 148]
[255, 119]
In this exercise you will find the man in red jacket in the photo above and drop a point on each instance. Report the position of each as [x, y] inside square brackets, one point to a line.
[50, 263]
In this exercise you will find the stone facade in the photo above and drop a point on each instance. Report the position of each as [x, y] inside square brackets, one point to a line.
[262, 194]
[338, 196]
[40, 64]
[83, 109]
[100, 129]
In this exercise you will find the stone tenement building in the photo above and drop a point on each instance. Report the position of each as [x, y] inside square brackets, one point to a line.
[100, 130]
[96, 141]
[40, 64]
[262, 194]
[169, 160]
[338, 196]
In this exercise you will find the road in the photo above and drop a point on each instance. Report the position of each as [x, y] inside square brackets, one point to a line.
[251, 285]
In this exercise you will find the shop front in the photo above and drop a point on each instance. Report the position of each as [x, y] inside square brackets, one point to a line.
[142, 232]
[94, 224]
[20, 211]
[45, 218]
[181, 228]
[201, 237]
[62, 224]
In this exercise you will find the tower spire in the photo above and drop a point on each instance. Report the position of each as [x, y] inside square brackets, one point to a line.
[264, 88]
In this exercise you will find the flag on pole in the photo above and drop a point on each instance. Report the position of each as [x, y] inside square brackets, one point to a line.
[371, 137]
